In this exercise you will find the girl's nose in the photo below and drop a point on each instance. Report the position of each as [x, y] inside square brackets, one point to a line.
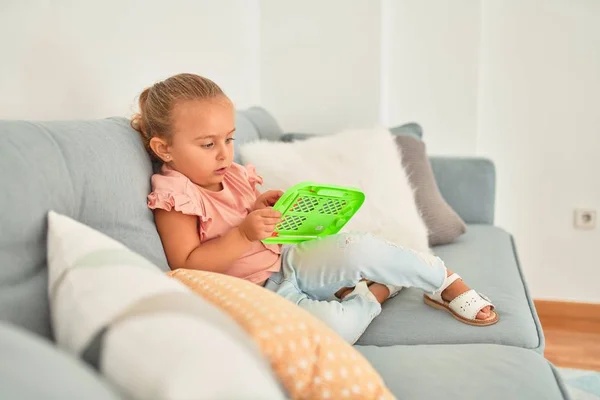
[222, 154]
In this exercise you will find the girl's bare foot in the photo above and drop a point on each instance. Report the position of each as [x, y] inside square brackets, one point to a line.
[457, 288]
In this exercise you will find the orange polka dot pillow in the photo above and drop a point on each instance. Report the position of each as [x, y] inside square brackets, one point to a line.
[311, 361]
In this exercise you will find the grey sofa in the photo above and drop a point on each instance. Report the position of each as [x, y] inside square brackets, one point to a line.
[97, 172]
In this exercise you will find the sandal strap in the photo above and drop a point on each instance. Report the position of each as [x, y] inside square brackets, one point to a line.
[361, 289]
[394, 290]
[468, 304]
[449, 280]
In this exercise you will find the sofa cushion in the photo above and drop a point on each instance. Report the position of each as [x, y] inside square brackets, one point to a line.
[253, 124]
[411, 129]
[149, 335]
[332, 159]
[468, 184]
[485, 258]
[96, 171]
[33, 368]
[483, 371]
[443, 223]
[310, 359]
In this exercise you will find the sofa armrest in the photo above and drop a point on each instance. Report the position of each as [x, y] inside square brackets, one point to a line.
[468, 185]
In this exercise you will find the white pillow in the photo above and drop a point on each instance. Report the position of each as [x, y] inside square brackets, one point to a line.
[365, 158]
[156, 338]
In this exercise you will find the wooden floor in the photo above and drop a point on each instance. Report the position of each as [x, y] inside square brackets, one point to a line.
[572, 333]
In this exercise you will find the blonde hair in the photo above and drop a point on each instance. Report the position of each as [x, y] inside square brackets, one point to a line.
[157, 102]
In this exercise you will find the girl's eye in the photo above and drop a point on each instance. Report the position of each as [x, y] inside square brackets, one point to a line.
[208, 146]
[229, 140]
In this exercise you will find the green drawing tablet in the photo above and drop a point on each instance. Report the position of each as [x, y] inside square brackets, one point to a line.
[310, 211]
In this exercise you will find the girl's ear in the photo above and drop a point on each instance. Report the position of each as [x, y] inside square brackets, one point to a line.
[161, 148]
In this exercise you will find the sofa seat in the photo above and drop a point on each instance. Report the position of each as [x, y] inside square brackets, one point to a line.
[485, 257]
[475, 371]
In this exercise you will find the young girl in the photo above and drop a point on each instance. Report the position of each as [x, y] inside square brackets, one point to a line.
[210, 216]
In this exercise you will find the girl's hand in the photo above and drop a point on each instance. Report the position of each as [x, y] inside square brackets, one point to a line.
[260, 224]
[267, 199]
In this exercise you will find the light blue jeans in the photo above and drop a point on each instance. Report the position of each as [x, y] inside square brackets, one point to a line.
[312, 272]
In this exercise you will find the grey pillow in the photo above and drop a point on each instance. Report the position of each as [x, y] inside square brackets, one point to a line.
[442, 221]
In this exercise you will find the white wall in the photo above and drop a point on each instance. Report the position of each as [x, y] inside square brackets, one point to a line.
[337, 64]
[70, 59]
[317, 66]
[320, 63]
[540, 122]
[431, 74]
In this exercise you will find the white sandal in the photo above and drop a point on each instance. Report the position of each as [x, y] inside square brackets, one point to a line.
[363, 287]
[394, 290]
[463, 307]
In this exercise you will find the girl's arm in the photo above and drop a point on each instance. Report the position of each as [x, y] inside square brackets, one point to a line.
[179, 235]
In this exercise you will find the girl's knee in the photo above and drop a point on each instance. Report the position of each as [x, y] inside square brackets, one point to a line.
[357, 241]
[366, 247]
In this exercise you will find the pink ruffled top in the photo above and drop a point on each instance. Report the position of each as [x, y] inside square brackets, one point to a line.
[219, 212]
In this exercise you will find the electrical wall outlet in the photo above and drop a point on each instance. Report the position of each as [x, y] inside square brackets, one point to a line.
[584, 218]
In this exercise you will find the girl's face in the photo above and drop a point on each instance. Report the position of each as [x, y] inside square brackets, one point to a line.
[201, 146]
